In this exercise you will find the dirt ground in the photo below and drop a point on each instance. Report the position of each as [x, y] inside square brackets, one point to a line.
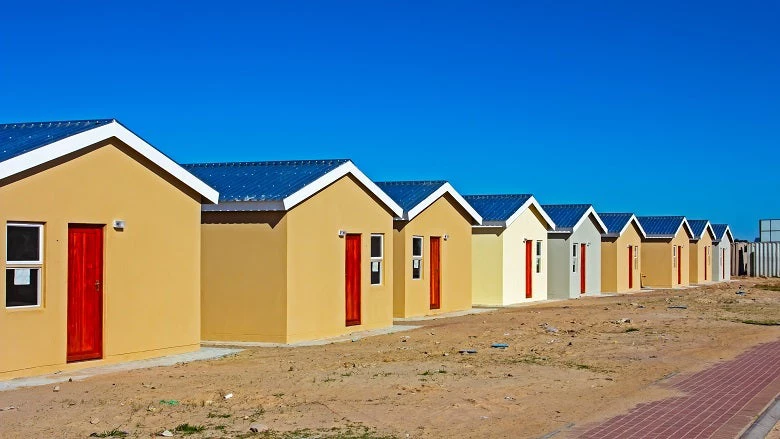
[568, 363]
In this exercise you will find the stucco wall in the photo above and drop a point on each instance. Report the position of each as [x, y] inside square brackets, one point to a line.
[615, 263]
[718, 259]
[443, 217]
[151, 288]
[530, 226]
[244, 282]
[487, 265]
[658, 269]
[698, 265]
[316, 262]
[563, 283]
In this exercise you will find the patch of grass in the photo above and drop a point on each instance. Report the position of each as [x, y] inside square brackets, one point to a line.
[278, 395]
[110, 433]
[351, 432]
[761, 322]
[186, 429]
[218, 415]
[220, 427]
[531, 359]
[768, 287]
[347, 374]
[432, 372]
[631, 329]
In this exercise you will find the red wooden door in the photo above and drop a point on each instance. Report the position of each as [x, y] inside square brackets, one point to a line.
[352, 280]
[528, 269]
[582, 268]
[706, 250]
[630, 267]
[435, 272]
[85, 292]
[723, 264]
[679, 264]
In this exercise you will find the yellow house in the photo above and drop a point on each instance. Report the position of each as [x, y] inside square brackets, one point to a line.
[294, 251]
[701, 251]
[432, 239]
[509, 249]
[102, 248]
[621, 262]
[664, 252]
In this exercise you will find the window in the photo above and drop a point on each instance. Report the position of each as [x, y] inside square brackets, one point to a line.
[538, 256]
[24, 263]
[636, 257]
[417, 257]
[674, 256]
[574, 248]
[377, 254]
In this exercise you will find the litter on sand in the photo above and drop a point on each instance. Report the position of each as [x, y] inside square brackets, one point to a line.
[467, 351]
[499, 345]
[677, 307]
[169, 402]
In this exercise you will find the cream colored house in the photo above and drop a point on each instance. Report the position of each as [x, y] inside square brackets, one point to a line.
[509, 249]
[102, 248]
[621, 246]
[294, 251]
[432, 239]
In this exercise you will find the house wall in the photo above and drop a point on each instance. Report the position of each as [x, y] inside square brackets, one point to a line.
[443, 217]
[151, 291]
[721, 263]
[529, 225]
[615, 263]
[563, 283]
[316, 262]
[697, 264]
[244, 276]
[658, 268]
[487, 266]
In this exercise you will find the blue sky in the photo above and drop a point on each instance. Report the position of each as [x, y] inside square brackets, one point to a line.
[649, 107]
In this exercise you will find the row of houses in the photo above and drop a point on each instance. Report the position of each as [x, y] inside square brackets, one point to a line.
[115, 252]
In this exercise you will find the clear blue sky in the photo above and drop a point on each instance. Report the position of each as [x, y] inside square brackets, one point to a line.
[654, 108]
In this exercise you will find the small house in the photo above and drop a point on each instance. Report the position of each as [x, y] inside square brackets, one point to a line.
[664, 251]
[621, 262]
[294, 251]
[700, 254]
[509, 249]
[721, 248]
[102, 248]
[432, 238]
[574, 251]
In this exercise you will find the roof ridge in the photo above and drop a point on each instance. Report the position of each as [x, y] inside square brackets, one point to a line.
[567, 205]
[412, 182]
[266, 163]
[498, 195]
[54, 122]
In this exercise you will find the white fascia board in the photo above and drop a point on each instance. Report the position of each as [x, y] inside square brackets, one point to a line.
[636, 221]
[687, 226]
[87, 138]
[528, 203]
[330, 177]
[728, 233]
[430, 199]
[591, 211]
[711, 230]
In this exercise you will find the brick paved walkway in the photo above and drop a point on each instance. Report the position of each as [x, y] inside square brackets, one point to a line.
[719, 402]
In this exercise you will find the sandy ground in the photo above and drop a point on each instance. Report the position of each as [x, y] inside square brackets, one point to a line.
[567, 363]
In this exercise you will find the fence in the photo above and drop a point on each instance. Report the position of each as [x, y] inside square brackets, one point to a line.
[755, 259]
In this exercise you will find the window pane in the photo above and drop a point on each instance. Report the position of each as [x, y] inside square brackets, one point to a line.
[574, 250]
[416, 268]
[417, 244]
[376, 246]
[376, 272]
[23, 244]
[21, 286]
[538, 248]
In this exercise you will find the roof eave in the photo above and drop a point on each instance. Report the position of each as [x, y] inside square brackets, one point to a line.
[445, 188]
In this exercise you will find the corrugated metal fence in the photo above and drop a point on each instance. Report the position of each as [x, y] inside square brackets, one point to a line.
[755, 259]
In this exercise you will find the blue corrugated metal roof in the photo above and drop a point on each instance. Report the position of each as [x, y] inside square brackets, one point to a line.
[697, 227]
[409, 194]
[660, 226]
[261, 181]
[719, 230]
[615, 222]
[19, 138]
[497, 207]
[565, 216]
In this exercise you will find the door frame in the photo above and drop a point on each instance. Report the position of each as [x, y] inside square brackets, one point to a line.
[679, 265]
[98, 354]
[529, 288]
[357, 273]
[630, 266]
[583, 267]
[434, 289]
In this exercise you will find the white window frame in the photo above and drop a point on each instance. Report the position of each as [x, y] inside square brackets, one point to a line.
[418, 257]
[636, 257]
[674, 256]
[539, 256]
[27, 264]
[378, 259]
[575, 257]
